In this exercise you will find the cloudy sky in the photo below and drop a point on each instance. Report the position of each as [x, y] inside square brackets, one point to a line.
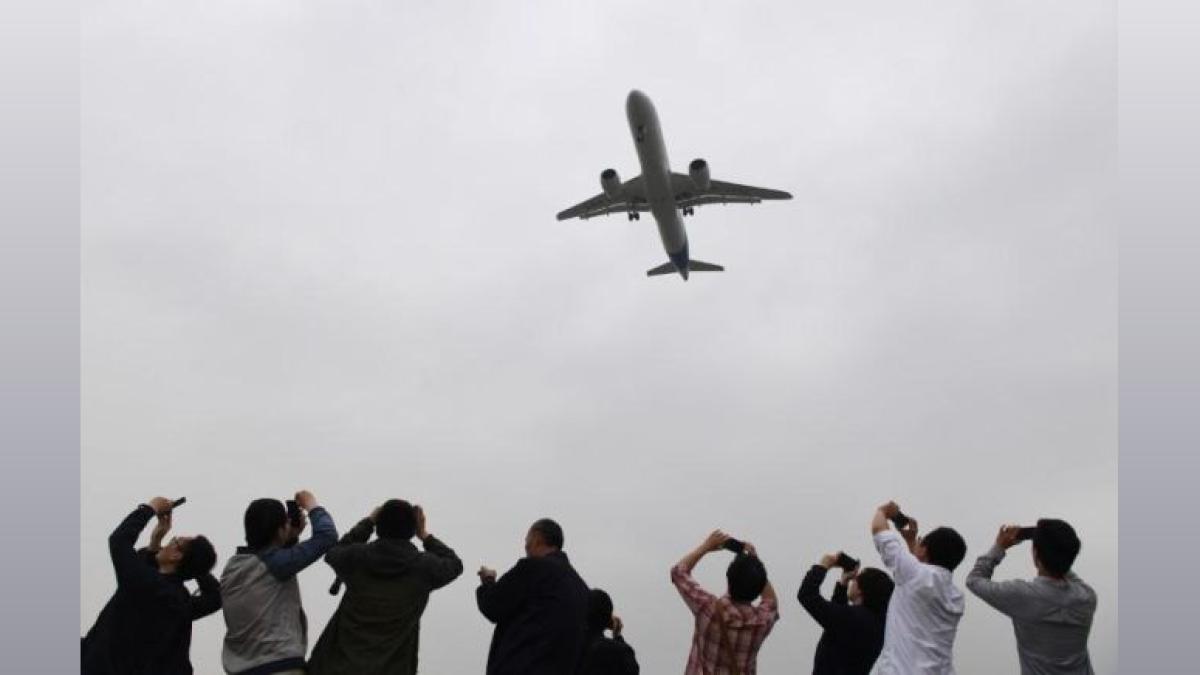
[320, 252]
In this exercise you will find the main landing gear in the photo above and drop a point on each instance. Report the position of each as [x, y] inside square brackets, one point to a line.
[634, 215]
[688, 211]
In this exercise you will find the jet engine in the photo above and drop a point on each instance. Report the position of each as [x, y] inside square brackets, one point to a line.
[611, 182]
[698, 171]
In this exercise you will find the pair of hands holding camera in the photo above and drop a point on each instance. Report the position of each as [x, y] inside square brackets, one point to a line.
[848, 565]
[717, 540]
[906, 525]
[162, 510]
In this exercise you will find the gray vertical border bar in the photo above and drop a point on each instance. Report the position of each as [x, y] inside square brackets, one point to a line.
[1159, 89]
[39, 347]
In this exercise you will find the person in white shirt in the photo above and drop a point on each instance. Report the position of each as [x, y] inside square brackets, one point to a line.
[926, 606]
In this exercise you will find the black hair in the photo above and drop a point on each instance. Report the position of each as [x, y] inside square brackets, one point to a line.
[1056, 545]
[262, 521]
[199, 557]
[599, 610]
[876, 588]
[397, 519]
[747, 577]
[945, 547]
[550, 532]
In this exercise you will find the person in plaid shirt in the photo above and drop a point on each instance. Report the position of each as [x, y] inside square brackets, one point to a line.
[729, 629]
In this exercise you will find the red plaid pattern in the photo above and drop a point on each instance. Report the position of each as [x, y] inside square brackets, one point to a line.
[746, 627]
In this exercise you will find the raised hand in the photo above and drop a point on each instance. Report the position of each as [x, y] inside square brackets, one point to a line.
[422, 532]
[306, 500]
[616, 625]
[715, 540]
[1007, 536]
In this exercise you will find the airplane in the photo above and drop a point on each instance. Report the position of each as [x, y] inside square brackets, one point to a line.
[668, 196]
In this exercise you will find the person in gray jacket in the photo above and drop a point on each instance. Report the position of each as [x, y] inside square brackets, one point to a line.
[266, 630]
[1052, 614]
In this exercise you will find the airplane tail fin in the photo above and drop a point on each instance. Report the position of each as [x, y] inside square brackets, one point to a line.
[699, 266]
[668, 268]
[692, 266]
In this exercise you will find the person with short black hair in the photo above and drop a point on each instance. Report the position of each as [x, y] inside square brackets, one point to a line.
[376, 629]
[539, 608]
[266, 630]
[146, 628]
[925, 607]
[853, 618]
[603, 655]
[1052, 614]
[730, 629]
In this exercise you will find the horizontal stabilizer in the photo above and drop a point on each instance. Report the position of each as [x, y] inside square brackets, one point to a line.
[668, 268]
[699, 266]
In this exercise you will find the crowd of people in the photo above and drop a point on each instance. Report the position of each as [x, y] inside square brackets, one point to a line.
[902, 619]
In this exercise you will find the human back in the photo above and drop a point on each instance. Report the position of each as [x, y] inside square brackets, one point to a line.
[539, 608]
[376, 627]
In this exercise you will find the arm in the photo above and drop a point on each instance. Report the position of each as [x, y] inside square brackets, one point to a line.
[159, 532]
[839, 596]
[769, 597]
[688, 562]
[443, 563]
[1007, 597]
[131, 569]
[896, 557]
[285, 563]
[879, 523]
[209, 599]
[820, 609]
[341, 556]
[694, 595]
[501, 599]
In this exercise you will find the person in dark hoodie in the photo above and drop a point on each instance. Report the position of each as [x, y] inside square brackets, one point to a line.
[377, 625]
[853, 618]
[266, 630]
[539, 608]
[146, 628]
[602, 655]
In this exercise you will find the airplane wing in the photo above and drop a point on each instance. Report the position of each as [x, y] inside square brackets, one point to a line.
[632, 198]
[719, 192]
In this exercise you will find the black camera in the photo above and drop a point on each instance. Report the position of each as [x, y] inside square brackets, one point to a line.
[295, 517]
[1026, 533]
[900, 520]
[847, 563]
[734, 545]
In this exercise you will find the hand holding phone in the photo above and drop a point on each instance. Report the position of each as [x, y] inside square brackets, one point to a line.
[845, 562]
[293, 513]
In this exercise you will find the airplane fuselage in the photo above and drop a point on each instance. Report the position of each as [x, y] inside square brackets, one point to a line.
[656, 172]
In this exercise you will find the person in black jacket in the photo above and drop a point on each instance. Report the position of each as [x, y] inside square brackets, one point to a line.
[602, 655]
[539, 608]
[853, 619]
[146, 628]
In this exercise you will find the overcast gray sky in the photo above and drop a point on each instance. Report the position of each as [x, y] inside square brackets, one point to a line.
[320, 252]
